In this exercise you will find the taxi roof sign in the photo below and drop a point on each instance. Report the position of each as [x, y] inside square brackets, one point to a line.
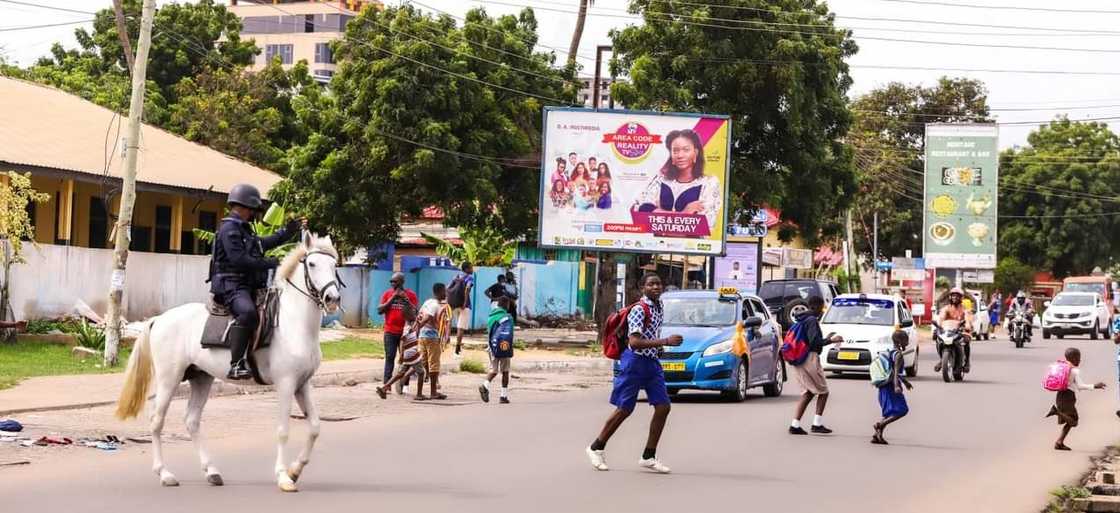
[728, 291]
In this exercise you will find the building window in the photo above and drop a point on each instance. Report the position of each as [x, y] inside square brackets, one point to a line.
[31, 216]
[186, 242]
[207, 221]
[163, 229]
[323, 53]
[141, 239]
[309, 23]
[98, 223]
[323, 75]
[282, 51]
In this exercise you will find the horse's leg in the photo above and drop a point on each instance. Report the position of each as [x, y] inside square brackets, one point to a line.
[285, 390]
[165, 389]
[303, 397]
[200, 393]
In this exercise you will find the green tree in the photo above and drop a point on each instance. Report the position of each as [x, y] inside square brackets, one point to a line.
[784, 91]
[889, 140]
[1053, 194]
[422, 112]
[245, 114]
[1013, 275]
[15, 227]
[481, 246]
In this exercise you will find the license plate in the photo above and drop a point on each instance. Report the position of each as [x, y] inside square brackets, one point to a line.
[848, 355]
[672, 366]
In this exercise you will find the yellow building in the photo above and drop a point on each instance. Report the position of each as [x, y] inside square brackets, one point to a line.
[73, 150]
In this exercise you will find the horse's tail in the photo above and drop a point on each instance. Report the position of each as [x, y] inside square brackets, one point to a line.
[138, 377]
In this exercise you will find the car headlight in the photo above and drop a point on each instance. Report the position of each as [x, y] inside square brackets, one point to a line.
[720, 348]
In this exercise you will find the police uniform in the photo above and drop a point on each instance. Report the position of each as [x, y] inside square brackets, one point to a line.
[238, 268]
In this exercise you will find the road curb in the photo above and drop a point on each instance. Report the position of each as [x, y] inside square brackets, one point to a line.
[223, 388]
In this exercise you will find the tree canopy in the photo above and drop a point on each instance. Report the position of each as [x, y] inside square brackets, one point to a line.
[784, 91]
[424, 112]
[889, 140]
[1058, 198]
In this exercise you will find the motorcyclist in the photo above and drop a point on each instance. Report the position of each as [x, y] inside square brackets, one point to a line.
[951, 316]
[238, 268]
[1021, 305]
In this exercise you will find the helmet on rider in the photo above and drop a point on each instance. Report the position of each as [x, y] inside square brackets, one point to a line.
[1021, 297]
[956, 295]
[245, 195]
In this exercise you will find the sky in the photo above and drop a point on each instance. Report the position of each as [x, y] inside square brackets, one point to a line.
[1014, 97]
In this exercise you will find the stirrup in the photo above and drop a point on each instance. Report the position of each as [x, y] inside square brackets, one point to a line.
[239, 371]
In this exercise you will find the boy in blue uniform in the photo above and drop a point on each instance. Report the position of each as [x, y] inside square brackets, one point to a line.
[238, 268]
[640, 369]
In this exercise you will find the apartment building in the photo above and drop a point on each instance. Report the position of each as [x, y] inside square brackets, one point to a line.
[587, 92]
[297, 30]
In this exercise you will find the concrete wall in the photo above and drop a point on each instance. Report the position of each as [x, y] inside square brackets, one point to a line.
[55, 277]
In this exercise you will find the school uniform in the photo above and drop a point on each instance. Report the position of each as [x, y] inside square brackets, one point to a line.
[640, 369]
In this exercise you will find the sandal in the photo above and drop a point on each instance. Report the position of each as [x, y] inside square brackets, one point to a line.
[439, 397]
[878, 440]
[381, 392]
[1061, 447]
[421, 398]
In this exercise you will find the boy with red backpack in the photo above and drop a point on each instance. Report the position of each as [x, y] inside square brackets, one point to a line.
[1064, 377]
[805, 358]
[639, 369]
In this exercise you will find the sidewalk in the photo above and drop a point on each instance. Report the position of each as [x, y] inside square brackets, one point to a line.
[54, 393]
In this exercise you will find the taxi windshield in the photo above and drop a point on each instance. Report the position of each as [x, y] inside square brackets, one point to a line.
[875, 312]
[697, 311]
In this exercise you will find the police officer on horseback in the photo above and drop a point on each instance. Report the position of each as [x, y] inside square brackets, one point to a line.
[238, 268]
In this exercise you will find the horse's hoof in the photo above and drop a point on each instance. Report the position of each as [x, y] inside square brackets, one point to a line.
[286, 484]
[168, 480]
[215, 479]
[294, 472]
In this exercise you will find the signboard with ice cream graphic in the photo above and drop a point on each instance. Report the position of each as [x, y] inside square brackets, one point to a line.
[961, 192]
[634, 181]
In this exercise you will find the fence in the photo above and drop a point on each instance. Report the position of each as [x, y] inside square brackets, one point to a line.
[546, 290]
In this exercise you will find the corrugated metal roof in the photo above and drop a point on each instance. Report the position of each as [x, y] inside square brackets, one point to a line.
[46, 127]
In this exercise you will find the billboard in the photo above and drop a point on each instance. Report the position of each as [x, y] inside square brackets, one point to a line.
[961, 196]
[739, 268]
[634, 181]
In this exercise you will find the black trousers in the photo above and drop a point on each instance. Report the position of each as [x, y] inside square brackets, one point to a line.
[243, 307]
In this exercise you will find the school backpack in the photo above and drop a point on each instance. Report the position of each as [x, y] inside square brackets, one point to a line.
[795, 347]
[456, 292]
[614, 336]
[501, 338]
[880, 369]
[1057, 376]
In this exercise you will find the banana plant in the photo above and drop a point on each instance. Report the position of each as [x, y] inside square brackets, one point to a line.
[481, 246]
[271, 223]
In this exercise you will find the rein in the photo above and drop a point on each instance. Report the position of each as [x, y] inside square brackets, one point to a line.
[312, 292]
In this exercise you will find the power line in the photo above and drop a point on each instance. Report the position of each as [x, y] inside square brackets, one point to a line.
[819, 34]
[907, 20]
[42, 6]
[47, 25]
[1005, 7]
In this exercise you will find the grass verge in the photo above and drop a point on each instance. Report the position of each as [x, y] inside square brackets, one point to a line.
[352, 347]
[472, 366]
[28, 359]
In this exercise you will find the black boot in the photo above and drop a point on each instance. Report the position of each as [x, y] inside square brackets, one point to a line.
[239, 344]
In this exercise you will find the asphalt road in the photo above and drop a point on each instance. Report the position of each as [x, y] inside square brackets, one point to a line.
[981, 445]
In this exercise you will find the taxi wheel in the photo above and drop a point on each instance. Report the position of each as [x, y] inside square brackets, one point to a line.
[674, 391]
[741, 386]
[775, 389]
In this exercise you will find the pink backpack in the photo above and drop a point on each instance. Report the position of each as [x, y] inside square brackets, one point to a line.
[1057, 376]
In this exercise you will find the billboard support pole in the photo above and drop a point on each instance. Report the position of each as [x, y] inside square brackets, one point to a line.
[598, 74]
[875, 250]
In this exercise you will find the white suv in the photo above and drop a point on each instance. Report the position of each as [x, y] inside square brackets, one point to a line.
[1076, 313]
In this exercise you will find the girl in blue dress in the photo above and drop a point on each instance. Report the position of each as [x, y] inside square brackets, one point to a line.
[892, 400]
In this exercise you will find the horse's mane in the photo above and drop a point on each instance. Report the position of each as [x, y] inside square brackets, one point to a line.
[291, 260]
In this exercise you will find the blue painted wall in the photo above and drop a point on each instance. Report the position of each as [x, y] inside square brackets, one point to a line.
[546, 289]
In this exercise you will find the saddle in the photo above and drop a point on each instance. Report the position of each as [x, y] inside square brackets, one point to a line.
[215, 333]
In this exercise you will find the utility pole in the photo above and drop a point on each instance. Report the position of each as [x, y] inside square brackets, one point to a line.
[598, 75]
[123, 228]
[875, 250]
[849, 251]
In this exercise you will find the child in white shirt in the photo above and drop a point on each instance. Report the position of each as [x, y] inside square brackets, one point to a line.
[1065, 403]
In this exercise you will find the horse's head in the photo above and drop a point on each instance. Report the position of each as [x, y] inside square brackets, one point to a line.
[319, 260]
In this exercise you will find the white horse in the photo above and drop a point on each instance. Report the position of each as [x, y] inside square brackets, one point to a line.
[170, 346]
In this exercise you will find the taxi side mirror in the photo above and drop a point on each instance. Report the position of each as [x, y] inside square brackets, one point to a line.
[753, 322]
[907, 323]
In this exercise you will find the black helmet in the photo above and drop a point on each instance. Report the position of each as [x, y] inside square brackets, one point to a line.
[245, 195]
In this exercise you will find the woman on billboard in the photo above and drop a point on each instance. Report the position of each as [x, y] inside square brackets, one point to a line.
[681, 185]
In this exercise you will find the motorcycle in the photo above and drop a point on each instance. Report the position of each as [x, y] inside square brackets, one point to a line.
[1018, 329]
[950, 344]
